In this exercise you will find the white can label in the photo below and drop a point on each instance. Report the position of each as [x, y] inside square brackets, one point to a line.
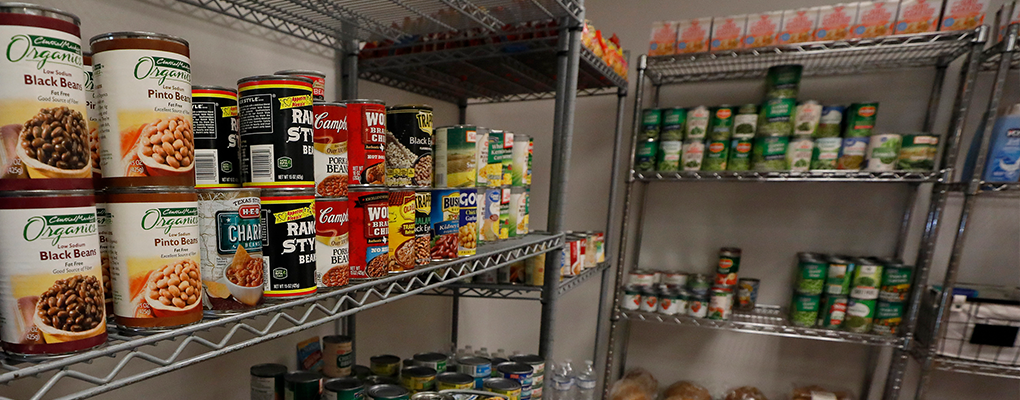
[231, 233]
[92, 114]
[105, 236]
[263, 388]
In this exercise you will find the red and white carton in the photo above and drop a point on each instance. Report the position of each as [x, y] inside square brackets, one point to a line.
[762, 29]
[963, 14]
[693, 35]
[874, 19]
[663, 41]
[727, 32]
[917, 16]
[798, 25]
[834, 21]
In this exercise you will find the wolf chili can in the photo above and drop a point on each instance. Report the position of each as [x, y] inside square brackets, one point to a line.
[332, 238]
[468, 226]
[445, 224]
[422, 226]
[214, 120]
[154, 257]
[330, 136]
[409, 145]
[143, 81]
[318, 81]
[231, 257]
[456, 152]
[276, 118]
[370, 231]
[402, 229]
[366, 141]
[288, 242]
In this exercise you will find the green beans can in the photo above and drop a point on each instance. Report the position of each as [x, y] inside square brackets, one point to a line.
[804, 309]
[740, 154]
[839, 276]
[775, 118]
[806, 118]
[693, 155]
[783, 81]
[798, 153]
[668, 156]
[720, 126]
[745, 123]
[867, 280]
[716, 154]
[644, 156]
[769, 153]
[833, 311]
[888, 317]
[810, 274]
[883, 152]
[851, 154]
[917, 152]
[896, 280]
[859, 315]
[674, 120]
[697, 123]
[860, 119]
[830, 124]
[651, 123]
[825, 152]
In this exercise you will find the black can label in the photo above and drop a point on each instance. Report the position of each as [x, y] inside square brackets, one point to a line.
[409, 147]
[217, 160]
[288, 245]
[276, 121]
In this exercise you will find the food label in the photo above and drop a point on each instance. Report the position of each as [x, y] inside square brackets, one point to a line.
[825, 153]
[519, 213]
[92, 114]
[214, 115]
[369, 234]
[445, 224]
[402, 232]
[838, 279]
[423, 226]
[329, 128]
[861, 120]
[720, 306]
[851, 154]
[668, 156]
[874, 19]
[288, 244]
[105, 237]
[697, 308]
[727, 31]
[917, 16]
[745, 125]
[277, 137]
[798, 25]
[740, 154]
[490, 222]
[808, 115]
[835, 312]
[693, 35]
[883, 152]
[769, 153]
[859, 315]
[468, 226]
[519, 166]
[366, 141]
[715, 158]
[762, 29]
[409, 147]
[482, 159]
[697, 123]
[963, 14]
[456, 156]
[332, 256]
[776, 117]
[830, 123]
[867, 279]
[798, 153]
[651, 123]
[504, 213]
[896, 282]
[231, 257]
[501, 146]
[694, 153]
[663, 41]
[917, 152]
[644, 159]
[834, 21]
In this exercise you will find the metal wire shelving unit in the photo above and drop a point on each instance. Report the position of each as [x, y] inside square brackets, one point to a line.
[515, 291]
[929, 50]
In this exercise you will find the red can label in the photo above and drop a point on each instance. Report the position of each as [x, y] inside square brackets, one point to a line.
[366, 143]
[370, 230]
[332, 223]
[330, 132]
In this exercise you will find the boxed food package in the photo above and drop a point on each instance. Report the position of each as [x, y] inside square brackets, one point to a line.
[874, 19]
[663, 38]
[693, 35]
[917, 16]
[1008, 14]
[798, 25]
[963, 14]
[834, 21]
[727, 31]
[762, 29]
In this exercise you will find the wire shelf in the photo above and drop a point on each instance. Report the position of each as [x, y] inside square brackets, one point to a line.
[1011, 189]
[216, 337]
[840, 57]
[950, 364]
[512, 291]
[765, 320]
[787, 176]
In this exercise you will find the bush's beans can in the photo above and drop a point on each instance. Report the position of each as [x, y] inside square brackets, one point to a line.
[276, 119]
[93, 117]
[456, 156]
[454, 381]
[144, 85]
[231, 231]
[370, 231]
[482, 157]
[402, 229]
[468, 227]
[214, 119]
[288, 242]
[346, 388]
[105, 238]
[366, 141]
[445, 224]
[337, 355]
[522, 373]
[267, 381]
[155, 257]
[490, 215]
[332, 238]
[422, 226]
[330, 130]
[43, 83]
[409, 145]
[503, 386]
[318, 81]
[50, 245]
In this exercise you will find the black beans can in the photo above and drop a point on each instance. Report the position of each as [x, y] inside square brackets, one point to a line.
[302, 385]
[267, 381]
[276, 130]
[346, 388]
[214, 123]
[409, 145]
[288, 242]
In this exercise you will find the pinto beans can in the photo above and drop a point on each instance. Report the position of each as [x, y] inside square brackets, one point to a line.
[366, 141]
[214, 119]
[422, 226]
[276, 118]
[144, 85]
[332, 241]
[369, 233]
[409, 145]
[468, 227]
[155, 257]
[331, 169]
[43, 85]
[402, 229]
[231, 258]
[318, 81]
[50, 246]
[288, 242]
[445, 223]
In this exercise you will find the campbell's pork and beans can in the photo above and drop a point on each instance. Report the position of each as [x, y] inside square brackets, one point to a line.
[402, 213]
[288, 242]
[230, 227]
[53, 286]
[409, 145]
[214, 120]
[276, 118]
[366, 141]
[318, 81]
[369, 233]
[43, 99]
[331, 167]
[332, 241]
[445, 224]
[143, 81]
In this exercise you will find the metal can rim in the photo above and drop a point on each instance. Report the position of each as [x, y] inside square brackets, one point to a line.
[317, 74]
[256, 78]
[212, 87]
[13, 7]
[137, 35]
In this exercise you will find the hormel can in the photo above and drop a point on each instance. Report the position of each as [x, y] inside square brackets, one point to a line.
[318, 81]
[332, 233]
[214, 120]
[330, 129]
[366, 141]
[288, 242]
[276, 119]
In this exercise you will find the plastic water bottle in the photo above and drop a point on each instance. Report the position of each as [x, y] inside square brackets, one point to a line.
[466, 352]
[562, 382]
[500, 353]
[483, 352]
[586, 382]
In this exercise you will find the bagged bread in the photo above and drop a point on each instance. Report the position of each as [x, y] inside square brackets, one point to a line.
[628, 389]
[746, 393]
[644, 378]
[684, 390]
[815, 392]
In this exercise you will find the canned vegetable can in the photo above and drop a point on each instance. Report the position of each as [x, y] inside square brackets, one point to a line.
[833, 311]
[467, 236]
[740, 153]
[504, 213]
[501, 143]
[859, 315]
[861, 119]
[644, 156]
[454, 381]
[811, 274]
[830, 124]
[720, 306]
[783, 81]
[345, 388]
[747, 294]
[697, 305]
[720, 126]
[651, 123]
[481, 157]
[804, 311]
[521, 168]
[302, 385]
[851, 154]
[745, 124]
[775, 118]
[806, 118]
[267, 381]
[888, 316]
[518, 212]
[674, 120]
[276, 118]
[668, 156]
[649, 299]
[668, 302]
[456, 156]
[631, 298]
[716, 155]
[728, 266]
[896, 280]
[697, 123]
[839, 277]
[917, 152]
[798, 153]
[825, 153]
[769, 153]
[418, 379]
[384, 365]
[337, 355]
[445, 224]
[867, 280]
[693, 154]
[883, 152]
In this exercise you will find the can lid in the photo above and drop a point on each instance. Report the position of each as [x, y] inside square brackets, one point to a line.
[302, 377]
[289, 191]
[514, 368]
[431, 396]
[274, 78]
[47, 193]
[521, 137]
[429, 357]
[386, 391]
[470, 360]
[364, 101]
[501, 384]
[213, 87]
[465, 127]
[136, 35]
[150, 189]
[366, 188]
[309, 72]
[328, 103]
[373, 380]
[35, 9]
[410, 106]
[531, 359]
[343, 384]
[385, 359]
[455, 377]
[336, 339]
[268, 370]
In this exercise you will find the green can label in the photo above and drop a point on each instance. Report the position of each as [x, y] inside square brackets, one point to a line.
[867, 280]
[804, 309]
[716, 153]
[769, 153]
[888, 317]
[861, 119]
[668, 156]
[644, 159]
[918, 152]
[694, 153]
[721, 125]
[798, 153]
[811, 277]
[673, 122]
[896, 280]
[697, 123]
[456, 154]
[859, 315]
[838, 278]
[776, 117]
[783, 81]
[651, 121]
[825, 152]
[740, 154]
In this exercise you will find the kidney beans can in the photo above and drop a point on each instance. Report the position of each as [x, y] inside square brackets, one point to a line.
[330, 137]
[337, 355]
[105, 238]
[332, 238]
[456, 155]
[43, 83]
[214, 120]
[318, 81]
[409, 145]
[345, 388]
[50, 245]
[232, 268]
[369, 233]
[288, 242]
[276, 119]
[267, 381]
[468, 226]
[366, 141]
[445, 224]
[422, 226]
[402, 212]
[93, 116]
[144, 84]
[156, 246]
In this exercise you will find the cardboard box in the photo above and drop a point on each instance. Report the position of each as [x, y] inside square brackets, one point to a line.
[663, 40]
[798, 25]
[834, 21]
[693, 35]
[874, 19]
[727, 32]
[762, 29]
[917, 16]
[963, 14]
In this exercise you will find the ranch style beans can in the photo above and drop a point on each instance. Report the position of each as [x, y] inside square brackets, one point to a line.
[445, 224]
[468, 226]
[318, 81]
[369, 233]
[402, 229]
[332, 238]
[230, 226]
[155, 257]
[330, 130]
[214, 119]
[288, 242]
[105, 238]
[53, 284]
[422, 226]
[276, 118]
[366, 141]
[409, 145]
[93, 117]
[146, 136]
[43, 100]
[456, 157]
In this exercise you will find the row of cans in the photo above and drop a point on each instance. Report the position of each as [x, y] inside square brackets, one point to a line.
[435, 371]
[474, 156]
[847, 313]
[583, 250]
[716, 304]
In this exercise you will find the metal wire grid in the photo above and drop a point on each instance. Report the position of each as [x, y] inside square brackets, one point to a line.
[301, 314]
[765, 320]
[1011, 189]
[511, 291]
[818, 58]
[787, 176]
